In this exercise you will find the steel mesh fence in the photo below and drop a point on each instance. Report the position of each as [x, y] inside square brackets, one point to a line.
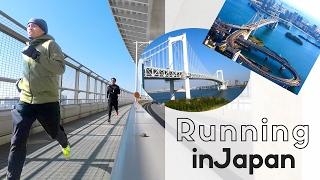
[18, 28]
[10, 57]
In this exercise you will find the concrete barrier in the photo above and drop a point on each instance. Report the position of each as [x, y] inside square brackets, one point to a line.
[68, 113]
[141, 153]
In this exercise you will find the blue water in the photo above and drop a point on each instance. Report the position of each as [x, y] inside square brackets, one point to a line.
[302, 58]
[229, 94]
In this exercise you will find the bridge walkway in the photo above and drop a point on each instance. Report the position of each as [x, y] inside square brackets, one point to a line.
[94, 145]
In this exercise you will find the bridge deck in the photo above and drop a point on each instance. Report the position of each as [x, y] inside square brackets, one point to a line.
[265, 50]
[159, 73]
[94, 145]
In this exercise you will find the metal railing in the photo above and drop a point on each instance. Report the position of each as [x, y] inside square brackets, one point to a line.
[78, 85]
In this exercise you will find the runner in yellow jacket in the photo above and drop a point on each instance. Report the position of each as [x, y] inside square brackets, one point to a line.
[39, 95]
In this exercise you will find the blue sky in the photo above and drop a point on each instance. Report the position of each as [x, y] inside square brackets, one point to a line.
[211, 59]
[85, 30]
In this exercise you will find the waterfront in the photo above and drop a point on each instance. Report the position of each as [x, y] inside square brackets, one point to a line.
[229, 94]
[300, 57]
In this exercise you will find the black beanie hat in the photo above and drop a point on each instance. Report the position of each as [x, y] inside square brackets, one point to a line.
[41, 23]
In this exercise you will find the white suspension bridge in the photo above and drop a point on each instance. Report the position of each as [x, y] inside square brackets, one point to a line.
[175, 59]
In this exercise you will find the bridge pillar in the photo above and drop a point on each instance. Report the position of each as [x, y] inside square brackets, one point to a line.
[182, 38]
[173, 96]
[236, 55]
[222, 86]
[273, 25]
[170, 63]
[186, 66]
[187, 87]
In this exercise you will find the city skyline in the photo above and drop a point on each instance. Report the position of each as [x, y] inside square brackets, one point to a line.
[276, 9]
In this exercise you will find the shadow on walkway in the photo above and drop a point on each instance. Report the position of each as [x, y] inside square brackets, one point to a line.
[94, 146]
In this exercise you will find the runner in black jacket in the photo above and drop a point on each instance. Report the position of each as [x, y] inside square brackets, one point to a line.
[112, 94]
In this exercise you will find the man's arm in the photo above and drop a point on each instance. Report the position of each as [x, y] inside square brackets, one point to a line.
[55, 60]
[108, 92]
[118, 90]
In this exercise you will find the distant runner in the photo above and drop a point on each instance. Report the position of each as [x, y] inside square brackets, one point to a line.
[113, 93]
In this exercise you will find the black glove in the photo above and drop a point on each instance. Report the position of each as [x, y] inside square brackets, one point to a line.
[31, 52]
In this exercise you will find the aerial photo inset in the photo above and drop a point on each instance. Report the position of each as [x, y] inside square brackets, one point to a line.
[270, 37]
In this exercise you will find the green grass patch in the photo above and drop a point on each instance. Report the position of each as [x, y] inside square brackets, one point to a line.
[197, 104]
[256, 40]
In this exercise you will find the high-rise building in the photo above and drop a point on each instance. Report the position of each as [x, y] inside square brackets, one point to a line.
[280, 7]
[268, 4]
[294, 16]
[299, 19]
[264, 4]
[271, 3]
[314, 28]
[236, 82]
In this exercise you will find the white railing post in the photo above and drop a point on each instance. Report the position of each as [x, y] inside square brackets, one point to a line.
[101, 91]
[95, 89]
[88, 89]
[76, 87]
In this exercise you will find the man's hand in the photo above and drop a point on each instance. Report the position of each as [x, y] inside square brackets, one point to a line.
[17, 85]
[32, 52]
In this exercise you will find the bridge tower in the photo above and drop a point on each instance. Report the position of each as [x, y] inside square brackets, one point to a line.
[172, 40]
[255, 19]
[222, 86]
